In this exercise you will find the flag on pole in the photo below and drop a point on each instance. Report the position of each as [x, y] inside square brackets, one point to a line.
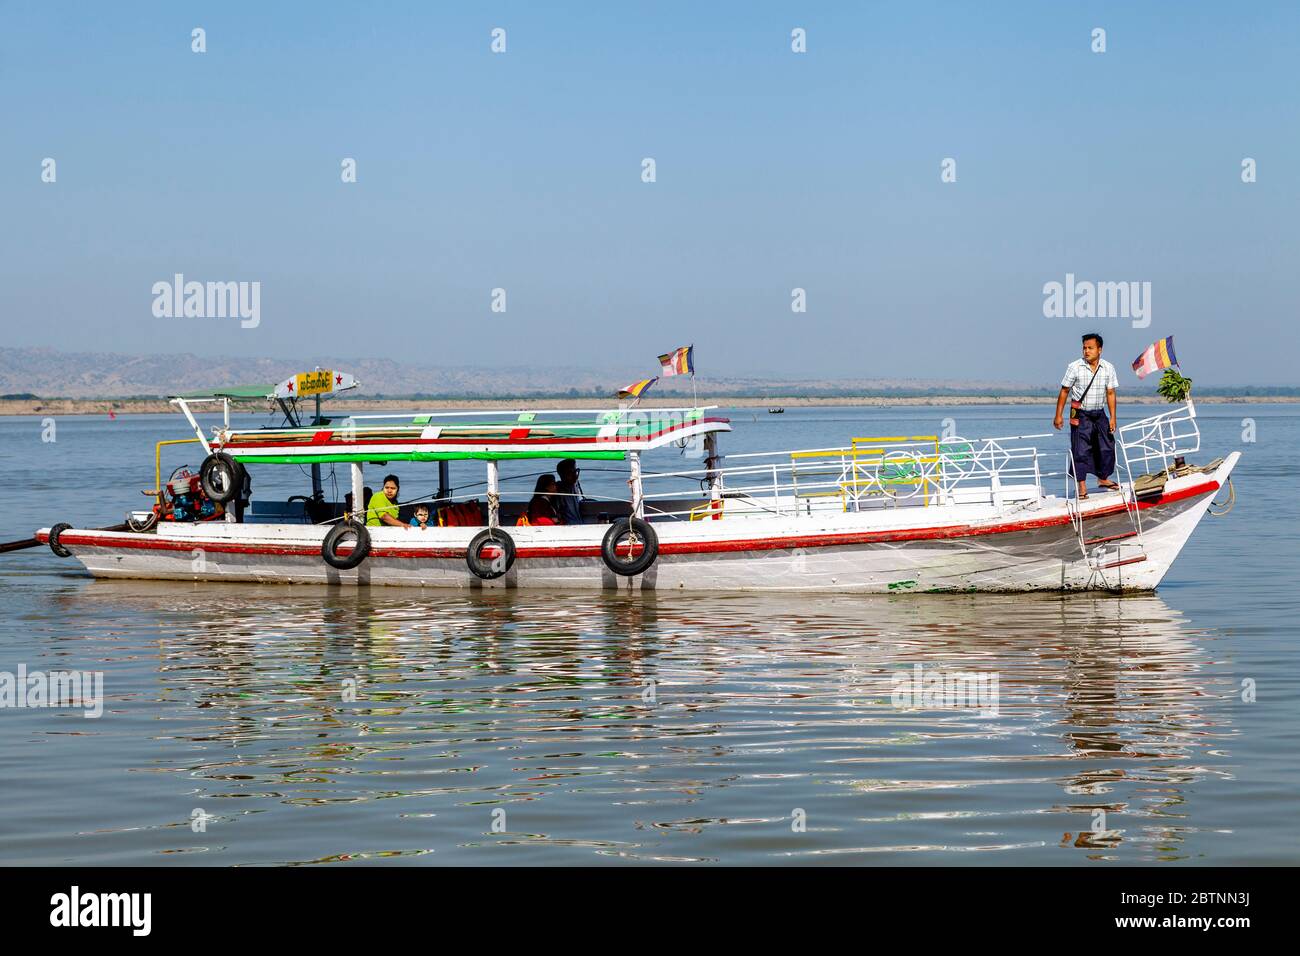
[637, 389]
[1157, 356]
[679, 361]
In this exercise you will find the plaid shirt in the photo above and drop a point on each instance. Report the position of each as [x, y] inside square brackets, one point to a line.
[1077, 375]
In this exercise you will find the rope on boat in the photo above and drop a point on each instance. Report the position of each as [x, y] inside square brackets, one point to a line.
[1227, 505]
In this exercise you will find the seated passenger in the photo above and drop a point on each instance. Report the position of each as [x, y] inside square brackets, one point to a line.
[568, 502]
[421, 519]
[383, 505]
[541, 511]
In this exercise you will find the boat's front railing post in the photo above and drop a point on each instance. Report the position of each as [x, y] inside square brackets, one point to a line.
[634, 482]
[358, 494]
[494, 494]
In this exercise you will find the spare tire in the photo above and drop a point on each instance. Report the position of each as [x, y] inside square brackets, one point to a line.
[221, 476]
[329, 548]
[499, 563]
[57, 548]
[630, 546]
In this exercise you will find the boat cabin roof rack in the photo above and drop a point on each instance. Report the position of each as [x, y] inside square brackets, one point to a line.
[479, 435]
[319, 383]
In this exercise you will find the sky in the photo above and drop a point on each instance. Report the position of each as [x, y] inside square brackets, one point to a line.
[774, 171]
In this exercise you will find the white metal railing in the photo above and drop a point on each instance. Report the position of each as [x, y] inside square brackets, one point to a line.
[877, 473]
[1159, 439]
[590, 415]
[612, 425]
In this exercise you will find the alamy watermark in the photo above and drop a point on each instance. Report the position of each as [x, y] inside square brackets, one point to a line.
[940, 689]
[208, 300]
[1084, 299]
[81, 689]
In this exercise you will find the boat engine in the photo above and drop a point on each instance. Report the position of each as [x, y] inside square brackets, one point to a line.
[182, 499]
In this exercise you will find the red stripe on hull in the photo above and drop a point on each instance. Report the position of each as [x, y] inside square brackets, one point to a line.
[153, 542]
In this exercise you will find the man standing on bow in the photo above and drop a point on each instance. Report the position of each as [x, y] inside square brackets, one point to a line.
[1089, 384]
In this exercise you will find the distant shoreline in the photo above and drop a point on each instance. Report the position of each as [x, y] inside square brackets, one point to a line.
[153, 406]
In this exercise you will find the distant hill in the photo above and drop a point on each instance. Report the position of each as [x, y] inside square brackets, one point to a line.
[50, 373]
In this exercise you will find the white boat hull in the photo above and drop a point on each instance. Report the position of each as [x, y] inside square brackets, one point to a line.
[1029, 547]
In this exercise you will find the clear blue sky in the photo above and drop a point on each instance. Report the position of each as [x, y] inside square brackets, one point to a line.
[775, 170]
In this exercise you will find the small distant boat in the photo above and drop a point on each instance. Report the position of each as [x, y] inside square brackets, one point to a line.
[776, 410]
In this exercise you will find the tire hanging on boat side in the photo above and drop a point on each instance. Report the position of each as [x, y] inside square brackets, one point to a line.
[221, 477]
[499, 564]
[329, 548]
[633, 531]
[57, 548]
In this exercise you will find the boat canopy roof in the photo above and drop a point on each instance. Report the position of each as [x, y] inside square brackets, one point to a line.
[485, 435]
[318, 382]
[233, 392]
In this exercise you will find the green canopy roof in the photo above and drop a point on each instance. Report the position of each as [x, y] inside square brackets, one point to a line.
[234, 391]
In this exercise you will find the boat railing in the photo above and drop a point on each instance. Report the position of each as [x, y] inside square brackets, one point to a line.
[871, 473]
[608, 425]
[1152, 444]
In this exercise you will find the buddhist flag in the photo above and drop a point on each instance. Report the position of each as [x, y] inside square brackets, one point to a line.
[1157, 356]
[679, 361]
[637, 389]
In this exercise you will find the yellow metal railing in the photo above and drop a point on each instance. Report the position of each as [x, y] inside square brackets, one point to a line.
[711, 509]
[796, 456]
[870, 466]
[874, 451]
[157, 463]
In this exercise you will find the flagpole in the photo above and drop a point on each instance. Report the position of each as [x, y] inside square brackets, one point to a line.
[694, 392]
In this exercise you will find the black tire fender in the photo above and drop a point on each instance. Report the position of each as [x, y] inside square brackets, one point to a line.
[629, 529]
[329, 548]
[494, 567]
[57, 548]
[221, 477]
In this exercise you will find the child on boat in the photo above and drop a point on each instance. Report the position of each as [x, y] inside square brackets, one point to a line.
[421, 519]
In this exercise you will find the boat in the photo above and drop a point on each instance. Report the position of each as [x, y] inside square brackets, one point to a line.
[776, 410]
[890, 515]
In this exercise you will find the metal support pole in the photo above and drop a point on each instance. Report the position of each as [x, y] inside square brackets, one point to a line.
[198, 431]
[638, 493]
[444, 480]
[493, 495]
[711, 463]
[358, 494]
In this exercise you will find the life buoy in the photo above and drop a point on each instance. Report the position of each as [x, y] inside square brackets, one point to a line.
[57, 548]
[499, 563]
[221, 476]
[329, 548]
[630, 546]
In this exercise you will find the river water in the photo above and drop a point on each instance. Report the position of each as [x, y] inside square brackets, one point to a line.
[251, 724]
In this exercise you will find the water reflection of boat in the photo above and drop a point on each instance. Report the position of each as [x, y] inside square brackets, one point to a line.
[890, 514]
[1105, 703]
